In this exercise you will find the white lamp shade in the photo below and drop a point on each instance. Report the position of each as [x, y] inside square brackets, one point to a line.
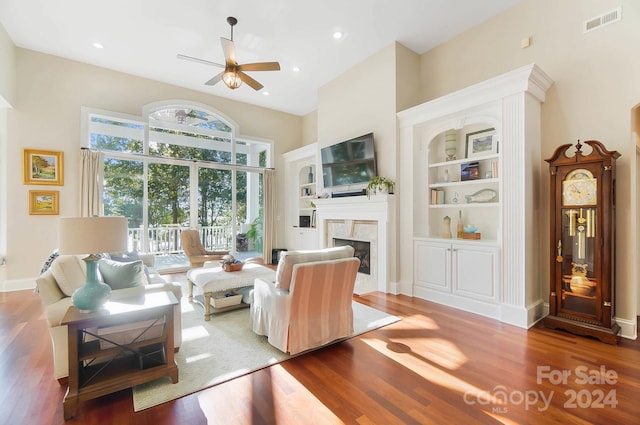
[92, 235]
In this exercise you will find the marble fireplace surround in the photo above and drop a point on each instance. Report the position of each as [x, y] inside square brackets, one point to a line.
[361, 219]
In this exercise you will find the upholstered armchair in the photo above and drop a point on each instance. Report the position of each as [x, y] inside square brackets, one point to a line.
[310, 303]
[194, 250]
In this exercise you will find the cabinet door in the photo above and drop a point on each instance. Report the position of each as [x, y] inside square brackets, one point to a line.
[309, 239]
[303, 239]
[475, 272]
[433, 265]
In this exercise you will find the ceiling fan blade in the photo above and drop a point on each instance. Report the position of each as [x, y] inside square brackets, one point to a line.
[202, 61]
[250, 81]
[260, 66]
[214, 80]
[229, 50]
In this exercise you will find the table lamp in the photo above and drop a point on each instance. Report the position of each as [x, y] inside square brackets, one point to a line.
[92, 236]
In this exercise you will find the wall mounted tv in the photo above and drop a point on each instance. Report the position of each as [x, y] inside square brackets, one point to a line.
[349, 162]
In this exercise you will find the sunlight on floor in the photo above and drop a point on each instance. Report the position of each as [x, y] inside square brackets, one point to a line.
[197, 358]
[422, 366]
[194, 332]
[285, 390]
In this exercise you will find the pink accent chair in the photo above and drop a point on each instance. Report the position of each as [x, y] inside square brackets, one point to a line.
[310, 303]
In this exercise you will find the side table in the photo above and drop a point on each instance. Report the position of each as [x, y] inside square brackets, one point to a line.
[101, 363]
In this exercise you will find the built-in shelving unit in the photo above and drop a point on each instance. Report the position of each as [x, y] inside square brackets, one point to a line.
[301, 180]
[475, 154]
[445, 177]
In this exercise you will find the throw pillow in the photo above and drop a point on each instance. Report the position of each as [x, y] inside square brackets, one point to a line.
[47, 264]
[69, 272]
[290, 258]
[122, 275]
[128, 257]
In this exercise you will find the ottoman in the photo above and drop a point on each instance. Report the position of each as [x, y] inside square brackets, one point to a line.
[214, 281]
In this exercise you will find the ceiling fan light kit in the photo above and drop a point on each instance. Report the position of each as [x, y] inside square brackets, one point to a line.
[233, 75]
[232, 79]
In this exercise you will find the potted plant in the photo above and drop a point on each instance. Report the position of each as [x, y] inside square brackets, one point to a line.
[380, 184]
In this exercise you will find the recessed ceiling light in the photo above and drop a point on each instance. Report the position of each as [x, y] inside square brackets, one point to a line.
[295, 69]
[337, 35]
[98, 45]
[266, 93]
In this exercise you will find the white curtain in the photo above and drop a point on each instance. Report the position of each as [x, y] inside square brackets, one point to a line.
[91, 183]
[269, 191]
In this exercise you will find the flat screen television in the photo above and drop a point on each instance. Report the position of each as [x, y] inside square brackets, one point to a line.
[350, 162]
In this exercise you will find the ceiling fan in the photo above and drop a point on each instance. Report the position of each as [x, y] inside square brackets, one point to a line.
[182, 116]
[233, 75]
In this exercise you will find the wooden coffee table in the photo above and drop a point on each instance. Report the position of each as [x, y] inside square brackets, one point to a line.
[122, 364]
[214, 280]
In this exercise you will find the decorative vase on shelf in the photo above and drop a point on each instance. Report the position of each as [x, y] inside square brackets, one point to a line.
[310, 174]
[460, 227]
[450, 144]
[446, 227]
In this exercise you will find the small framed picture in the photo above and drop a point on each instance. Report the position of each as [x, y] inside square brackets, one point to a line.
[480, 143]
[43, 167]
[44, 202]
[469, 171]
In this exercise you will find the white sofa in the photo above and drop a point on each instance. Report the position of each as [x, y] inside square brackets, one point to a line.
[310, 303]
[68, 272]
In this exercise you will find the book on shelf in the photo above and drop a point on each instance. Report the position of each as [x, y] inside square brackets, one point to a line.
[437, 196]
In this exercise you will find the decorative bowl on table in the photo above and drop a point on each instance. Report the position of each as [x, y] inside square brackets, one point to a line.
[470, 228]
[234, 266]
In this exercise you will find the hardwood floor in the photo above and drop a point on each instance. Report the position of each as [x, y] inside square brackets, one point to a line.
[436, 366]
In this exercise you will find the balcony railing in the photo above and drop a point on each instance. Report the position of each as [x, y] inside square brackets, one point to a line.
[166, 239]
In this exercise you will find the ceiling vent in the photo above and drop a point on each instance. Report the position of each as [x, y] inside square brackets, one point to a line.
[602, 20]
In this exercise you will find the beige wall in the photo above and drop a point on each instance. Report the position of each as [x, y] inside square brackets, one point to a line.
[49, 93]
[360, 101]
[365, 99]
[596, 86]
[310, 128]
[7, 65]
[7, 75]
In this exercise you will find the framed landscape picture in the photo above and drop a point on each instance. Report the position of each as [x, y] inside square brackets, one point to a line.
[43, 167]
[44, 202]
[482, 143]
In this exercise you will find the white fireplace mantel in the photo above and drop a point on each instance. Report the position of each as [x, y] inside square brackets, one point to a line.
[377, 208]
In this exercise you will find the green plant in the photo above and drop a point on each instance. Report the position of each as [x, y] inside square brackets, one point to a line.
[380, 184]
[254, 233]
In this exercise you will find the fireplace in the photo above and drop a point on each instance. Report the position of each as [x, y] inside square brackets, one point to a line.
[361, 219]
[362, 251]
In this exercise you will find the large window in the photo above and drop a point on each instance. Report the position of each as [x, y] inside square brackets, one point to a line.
[180, 167]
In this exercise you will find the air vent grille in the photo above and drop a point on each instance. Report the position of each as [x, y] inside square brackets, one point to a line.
[602, 20]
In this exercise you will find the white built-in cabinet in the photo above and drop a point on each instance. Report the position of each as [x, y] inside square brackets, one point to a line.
[497, 274]
[459, 272]
[301, 185]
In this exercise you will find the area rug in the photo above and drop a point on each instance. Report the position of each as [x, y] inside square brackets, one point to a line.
[225, 348]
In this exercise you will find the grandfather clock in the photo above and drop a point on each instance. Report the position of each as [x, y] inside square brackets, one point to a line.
[582, 285]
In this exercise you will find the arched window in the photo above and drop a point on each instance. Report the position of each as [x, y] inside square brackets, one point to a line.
[181, 165]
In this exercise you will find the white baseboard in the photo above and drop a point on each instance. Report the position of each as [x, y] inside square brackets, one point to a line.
[522, 317]
[17, 285]
[401, 288]
[628, 328]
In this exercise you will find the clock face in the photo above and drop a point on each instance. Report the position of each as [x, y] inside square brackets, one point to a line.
[579, 188]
